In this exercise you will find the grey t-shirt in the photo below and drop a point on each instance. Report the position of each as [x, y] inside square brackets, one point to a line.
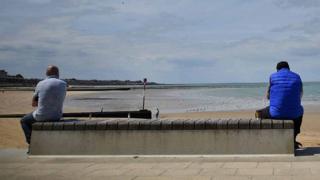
[50, 93]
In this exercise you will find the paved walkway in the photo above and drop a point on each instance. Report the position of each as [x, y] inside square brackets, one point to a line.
[14, 164]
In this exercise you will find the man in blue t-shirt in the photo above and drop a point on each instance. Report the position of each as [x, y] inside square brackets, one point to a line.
[284, 92]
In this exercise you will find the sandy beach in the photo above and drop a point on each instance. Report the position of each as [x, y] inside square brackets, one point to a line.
[11, 135]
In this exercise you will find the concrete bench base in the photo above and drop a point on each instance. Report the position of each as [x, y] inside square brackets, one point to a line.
[173, 140]
[200, 142]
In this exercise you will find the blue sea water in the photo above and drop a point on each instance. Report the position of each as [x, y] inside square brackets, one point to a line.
[188, 97]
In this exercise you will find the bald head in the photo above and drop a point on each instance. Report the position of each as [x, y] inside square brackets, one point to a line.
[52, 71]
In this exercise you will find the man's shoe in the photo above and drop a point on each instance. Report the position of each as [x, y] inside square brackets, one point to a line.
[28, 152]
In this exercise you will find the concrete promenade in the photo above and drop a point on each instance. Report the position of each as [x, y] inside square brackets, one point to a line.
[14, 164]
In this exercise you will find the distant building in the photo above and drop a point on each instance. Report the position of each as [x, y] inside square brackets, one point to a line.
[3, 74]
[19, 76]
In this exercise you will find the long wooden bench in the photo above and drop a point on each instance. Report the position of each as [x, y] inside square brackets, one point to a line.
[162, 137]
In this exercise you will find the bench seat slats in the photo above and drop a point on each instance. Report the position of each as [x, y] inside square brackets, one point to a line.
[188, 124]
[200, 124]
[91, 125]
[164, 124]
[155, 125]
[57, 126]
[222, 124]
[211, 124]
[112, 125]
[277, 124]
[177, 124]
[244, 123]
[123, 125]
[133, 125]
[102, 125]
[68, 126]
[233, 124]
[255, 124]
[37, 126]
[288, 124]
[266, 124]
[144, 125]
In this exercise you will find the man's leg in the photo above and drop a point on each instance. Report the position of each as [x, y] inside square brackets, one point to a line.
[26, 124]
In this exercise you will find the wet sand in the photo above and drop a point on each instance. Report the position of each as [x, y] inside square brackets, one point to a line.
[11, 135]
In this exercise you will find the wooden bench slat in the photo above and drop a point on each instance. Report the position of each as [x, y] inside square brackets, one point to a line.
[188, 125]
[166, 125]
[58, 125]
[123, 125]
[155, 125]
[177, 124]
[200, 124]
[91, 125]
[81, 125]
[266, 124]
[69, 125]
[255, 124]
[144, 125]
[222, 124]
[288, 124]
[277, 124]
[233, 124]
[37, 126]
[244, 124]
[211, 124]
[102, 125]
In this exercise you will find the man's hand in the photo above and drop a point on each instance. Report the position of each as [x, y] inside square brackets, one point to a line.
[34, 102]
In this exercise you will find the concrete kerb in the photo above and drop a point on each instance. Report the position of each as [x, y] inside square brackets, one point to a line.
[240, 156]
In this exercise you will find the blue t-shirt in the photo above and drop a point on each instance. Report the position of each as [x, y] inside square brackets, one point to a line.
[285, 95]
[50, 93]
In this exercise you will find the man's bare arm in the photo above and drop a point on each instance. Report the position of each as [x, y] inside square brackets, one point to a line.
[34, 101]
[268, 92]
[301, 91]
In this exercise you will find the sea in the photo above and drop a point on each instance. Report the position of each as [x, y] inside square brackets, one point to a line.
[179, 98]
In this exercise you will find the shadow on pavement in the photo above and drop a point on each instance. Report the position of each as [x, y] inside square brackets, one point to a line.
[307, 151]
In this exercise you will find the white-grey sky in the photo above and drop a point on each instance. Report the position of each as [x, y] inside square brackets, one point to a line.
[181, 41]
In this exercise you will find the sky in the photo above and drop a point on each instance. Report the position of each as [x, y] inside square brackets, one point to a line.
[180, 41]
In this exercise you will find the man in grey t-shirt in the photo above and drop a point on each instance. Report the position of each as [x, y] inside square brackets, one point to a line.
[48, 98]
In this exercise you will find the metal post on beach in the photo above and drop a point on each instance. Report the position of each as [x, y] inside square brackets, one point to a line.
[144, 89]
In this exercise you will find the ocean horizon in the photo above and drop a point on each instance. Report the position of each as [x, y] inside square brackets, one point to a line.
[195, 97]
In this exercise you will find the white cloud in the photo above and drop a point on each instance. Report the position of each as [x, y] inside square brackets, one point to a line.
[298, 3]
[164, 41]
